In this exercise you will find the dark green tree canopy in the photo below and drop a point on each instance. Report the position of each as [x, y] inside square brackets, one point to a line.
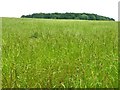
[80, 16]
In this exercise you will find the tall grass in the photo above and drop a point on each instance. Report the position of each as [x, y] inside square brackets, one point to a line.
[0, 53]
[39, 53]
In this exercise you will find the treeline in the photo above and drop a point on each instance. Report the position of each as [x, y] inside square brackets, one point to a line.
[81, 16]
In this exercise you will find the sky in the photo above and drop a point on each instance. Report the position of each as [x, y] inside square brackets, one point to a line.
[17, 8]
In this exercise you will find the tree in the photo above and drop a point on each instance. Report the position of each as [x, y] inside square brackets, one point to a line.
[91, 17]
[82, 16]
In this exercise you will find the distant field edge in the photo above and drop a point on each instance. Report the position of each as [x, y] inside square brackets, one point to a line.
[55, 19]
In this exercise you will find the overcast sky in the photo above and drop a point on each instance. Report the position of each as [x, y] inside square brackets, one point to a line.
[16, 8]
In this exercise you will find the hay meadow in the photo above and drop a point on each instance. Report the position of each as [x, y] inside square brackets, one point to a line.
[53, 53]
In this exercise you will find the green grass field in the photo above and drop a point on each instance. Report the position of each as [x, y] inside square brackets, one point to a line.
[41, 53]
[0, 53]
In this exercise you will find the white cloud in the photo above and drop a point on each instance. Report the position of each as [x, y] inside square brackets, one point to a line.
[16, 8]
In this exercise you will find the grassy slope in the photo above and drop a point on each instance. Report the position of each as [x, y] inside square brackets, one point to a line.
[59, 53]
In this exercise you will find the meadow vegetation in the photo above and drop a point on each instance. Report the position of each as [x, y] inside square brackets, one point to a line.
[0, 52]
[41, 53]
